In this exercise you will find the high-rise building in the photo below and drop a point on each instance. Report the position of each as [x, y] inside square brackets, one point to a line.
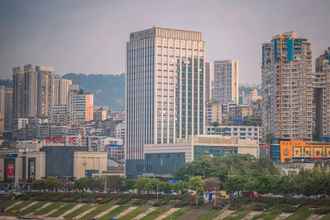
[266, 90]
[225, 88]
[44, 88]
[165, 89]
[287, 87]
[61, 90]
[32, 91]
[207, 82]
[2, 109]
[321, 86]
[19, 92]
[60, 115]
[82, 108]
[323, 61]
[8, 109]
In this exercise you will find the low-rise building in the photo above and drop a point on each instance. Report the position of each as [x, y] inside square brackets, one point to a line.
[29, 161]
[240, 131]
[304, 151]
[166, 159]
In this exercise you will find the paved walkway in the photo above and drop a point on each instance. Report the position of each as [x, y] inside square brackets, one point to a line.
[251, 215]
[85, 212]
[100, 215]
[283, 216]
[71, 210]
[125, 212]
[144, 214]
[225, 213]
[168, 213]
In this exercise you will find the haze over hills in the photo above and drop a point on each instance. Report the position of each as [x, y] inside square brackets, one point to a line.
[108, 90]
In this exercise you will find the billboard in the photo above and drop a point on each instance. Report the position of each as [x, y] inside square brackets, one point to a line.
[9, 169]
[70, 140]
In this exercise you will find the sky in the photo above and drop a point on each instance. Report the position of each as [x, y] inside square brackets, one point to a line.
[89, 36]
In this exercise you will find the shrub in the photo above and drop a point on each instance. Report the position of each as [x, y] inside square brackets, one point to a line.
[322, 211]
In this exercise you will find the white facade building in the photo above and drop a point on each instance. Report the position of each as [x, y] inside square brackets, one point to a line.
[165, 88]
[240, 131]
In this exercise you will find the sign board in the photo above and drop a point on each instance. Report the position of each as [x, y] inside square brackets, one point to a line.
[63, 140]
[11, 155]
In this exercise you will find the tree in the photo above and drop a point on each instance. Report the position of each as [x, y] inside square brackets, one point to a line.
[235, 183]
[141, 184]
[196, 183]
[215, 124]
[212, 184]
[83, 183]
[39, 184]
[53, 184]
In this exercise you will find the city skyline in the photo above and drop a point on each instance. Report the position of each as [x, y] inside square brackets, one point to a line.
[56, 29]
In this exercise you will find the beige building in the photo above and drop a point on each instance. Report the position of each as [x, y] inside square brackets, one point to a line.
[214, 113]
[82, 108]
[61, 90]
[30, 160]
[32, 90]
[100, 114]
[84, 160]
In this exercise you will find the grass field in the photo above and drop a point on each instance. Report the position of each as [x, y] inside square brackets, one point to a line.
[87, 211]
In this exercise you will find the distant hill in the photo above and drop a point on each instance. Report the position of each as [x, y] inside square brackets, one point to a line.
[109, 90]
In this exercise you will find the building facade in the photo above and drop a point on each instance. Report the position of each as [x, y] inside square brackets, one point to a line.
[304, 151]
[165, 89]
[287, 87]
[60, 115]
[240, 131]
[226, 75]
[82, 107]
[321, 86]
[32, 95]
[167, 159]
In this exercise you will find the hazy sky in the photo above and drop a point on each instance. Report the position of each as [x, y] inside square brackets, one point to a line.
[89, 36]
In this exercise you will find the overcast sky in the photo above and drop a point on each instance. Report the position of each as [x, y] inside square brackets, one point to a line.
[89, 36]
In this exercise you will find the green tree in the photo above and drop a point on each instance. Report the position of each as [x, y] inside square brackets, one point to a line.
[196, 183]
[39, 184]
[212, 184]
[141, 184]
[53, 184]
[83, 183]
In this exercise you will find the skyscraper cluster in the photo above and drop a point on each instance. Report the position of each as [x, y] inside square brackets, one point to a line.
[39, 93]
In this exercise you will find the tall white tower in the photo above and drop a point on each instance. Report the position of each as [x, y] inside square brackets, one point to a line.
[165, 89]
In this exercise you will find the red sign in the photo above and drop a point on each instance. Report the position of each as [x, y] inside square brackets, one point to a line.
[63, 140]
[10, 170]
